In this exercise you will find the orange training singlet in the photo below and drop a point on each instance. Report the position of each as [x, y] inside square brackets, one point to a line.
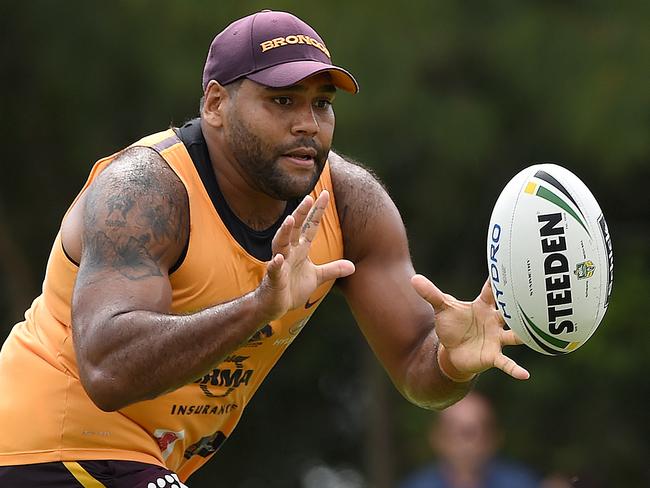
[46, 415]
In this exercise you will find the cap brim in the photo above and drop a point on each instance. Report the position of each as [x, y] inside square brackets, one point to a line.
[287, 74]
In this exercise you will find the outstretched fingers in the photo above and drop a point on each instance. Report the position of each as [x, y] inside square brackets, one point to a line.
[312, 221]
[509, 366]
[486, 294]
[336, 269]
[430, 292]
[274, 266]
[300, 215]
[509, 338]
[281, 243]
[506, 364]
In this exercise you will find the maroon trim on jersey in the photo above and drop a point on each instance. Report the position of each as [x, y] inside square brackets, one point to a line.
[112, 474]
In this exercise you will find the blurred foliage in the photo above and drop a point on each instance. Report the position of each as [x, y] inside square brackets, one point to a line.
[455, 98]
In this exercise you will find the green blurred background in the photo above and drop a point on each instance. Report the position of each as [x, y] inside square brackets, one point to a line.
[456, 97]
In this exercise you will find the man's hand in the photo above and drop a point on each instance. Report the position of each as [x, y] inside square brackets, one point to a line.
[471, 334]
[291, 277]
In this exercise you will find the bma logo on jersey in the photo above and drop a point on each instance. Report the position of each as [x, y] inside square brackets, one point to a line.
[498, 276]
[222, 381]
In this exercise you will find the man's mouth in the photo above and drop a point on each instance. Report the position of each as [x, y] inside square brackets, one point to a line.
[302, 156]
[304, 153]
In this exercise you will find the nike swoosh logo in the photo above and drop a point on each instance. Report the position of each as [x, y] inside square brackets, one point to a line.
[311, 304]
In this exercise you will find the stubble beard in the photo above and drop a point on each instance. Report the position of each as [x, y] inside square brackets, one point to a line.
[260, 162]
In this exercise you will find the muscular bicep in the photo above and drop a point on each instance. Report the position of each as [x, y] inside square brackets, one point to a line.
[391, 315]
[135, 223]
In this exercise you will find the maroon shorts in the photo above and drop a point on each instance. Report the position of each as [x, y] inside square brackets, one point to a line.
[89, 474]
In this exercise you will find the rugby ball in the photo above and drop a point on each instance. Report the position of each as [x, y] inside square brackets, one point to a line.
[550, 259]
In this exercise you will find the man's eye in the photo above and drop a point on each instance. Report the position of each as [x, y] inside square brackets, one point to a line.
[324, 103]
[282, 100]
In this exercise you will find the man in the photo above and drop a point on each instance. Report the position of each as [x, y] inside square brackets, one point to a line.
[466, 438]
[190, 260]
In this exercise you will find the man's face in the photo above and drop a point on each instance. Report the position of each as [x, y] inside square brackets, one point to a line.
[280, 137]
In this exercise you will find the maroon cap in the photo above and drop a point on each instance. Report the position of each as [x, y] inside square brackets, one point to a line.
[275, 49]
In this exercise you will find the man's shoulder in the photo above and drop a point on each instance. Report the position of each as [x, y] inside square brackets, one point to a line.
[138, 162]
[357, 190]
[367, 214]
[143, 174]
[350, 175]
[160, 141]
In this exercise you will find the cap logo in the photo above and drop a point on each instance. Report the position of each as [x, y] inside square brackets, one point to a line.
[293, 39]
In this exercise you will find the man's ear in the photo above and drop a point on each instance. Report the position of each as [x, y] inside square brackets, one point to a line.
[214, 100]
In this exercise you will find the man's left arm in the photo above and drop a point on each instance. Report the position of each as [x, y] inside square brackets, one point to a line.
[430, 357]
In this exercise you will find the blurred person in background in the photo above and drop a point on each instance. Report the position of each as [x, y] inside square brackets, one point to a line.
[466, 439]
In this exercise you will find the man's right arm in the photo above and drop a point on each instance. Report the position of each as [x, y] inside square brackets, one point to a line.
[129, 346]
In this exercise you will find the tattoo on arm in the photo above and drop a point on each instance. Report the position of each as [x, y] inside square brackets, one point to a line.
[136, 217]
[130, 258]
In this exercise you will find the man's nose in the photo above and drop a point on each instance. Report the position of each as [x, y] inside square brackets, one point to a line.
[305, 122]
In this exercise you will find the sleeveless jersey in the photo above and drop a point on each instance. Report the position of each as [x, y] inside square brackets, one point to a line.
[46, 415]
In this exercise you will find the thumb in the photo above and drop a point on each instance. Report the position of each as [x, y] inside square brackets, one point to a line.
[274, 267]
[427, 290]
[336, 269]
[486, 294]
